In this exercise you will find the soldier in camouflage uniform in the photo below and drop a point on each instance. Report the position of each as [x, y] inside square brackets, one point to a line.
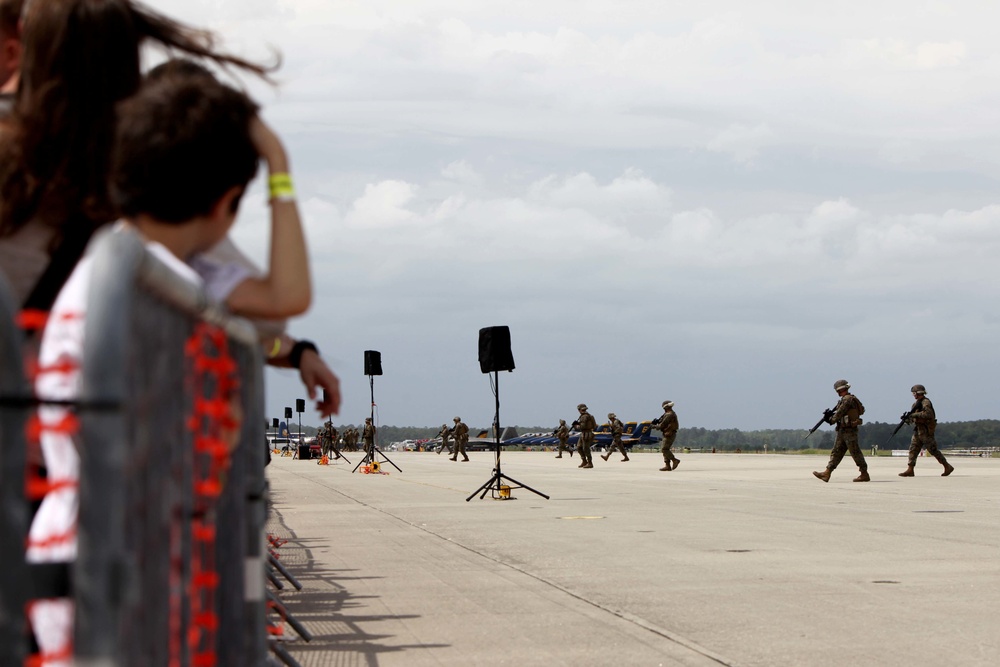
[924, 424]
[668, 425]
[323, 436]
[445, 435]
[332, 436]
[562, 432]
[368, 435]
[461, 434]
[617, 428]
[586, 424]
[847, 417]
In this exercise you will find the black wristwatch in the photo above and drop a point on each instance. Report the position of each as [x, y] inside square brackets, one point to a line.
[295, 358]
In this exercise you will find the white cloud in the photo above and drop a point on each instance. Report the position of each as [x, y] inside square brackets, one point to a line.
[743, 143]
[383, 205]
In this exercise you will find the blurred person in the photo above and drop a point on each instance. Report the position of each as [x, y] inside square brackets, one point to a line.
[209, 134]
[10, 52]
[78, 59]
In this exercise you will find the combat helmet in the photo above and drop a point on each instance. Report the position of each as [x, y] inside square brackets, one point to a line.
[667, 404]
[581, 407]
[457, 419]
[918, 389]
[562, 422]
[841, 384]
[611, 415]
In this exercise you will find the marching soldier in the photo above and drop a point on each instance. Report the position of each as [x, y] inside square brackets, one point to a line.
[562, 432]
[668, 425]
[331, 442]
[586, 424]
[924, 424]
[445, 435]
[368, 436]
[616, 437]
[460, 432]
[847, 417]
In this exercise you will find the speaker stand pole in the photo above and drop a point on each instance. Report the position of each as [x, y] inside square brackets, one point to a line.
[493, 483]
[370, 455]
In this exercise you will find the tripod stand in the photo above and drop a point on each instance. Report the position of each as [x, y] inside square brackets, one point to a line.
[370, 452]
[493, 483]
[333, 442]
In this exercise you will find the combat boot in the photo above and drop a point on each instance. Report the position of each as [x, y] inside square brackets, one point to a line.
[465, 459]
[605, 456]
[452, 458]
[665, 468]
[948, 469]
[583, 464]
[825, 475]
[560, 455]
[908, 472]
[625, 459]
[863, 477]
[676, 462]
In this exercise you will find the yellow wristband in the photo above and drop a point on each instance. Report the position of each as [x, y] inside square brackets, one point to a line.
[281, 187]
[276, 349]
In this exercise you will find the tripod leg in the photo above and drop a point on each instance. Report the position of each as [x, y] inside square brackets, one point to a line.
[484, 488]
[518, 484]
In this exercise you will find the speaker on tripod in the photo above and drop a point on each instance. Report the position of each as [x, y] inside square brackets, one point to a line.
[373, 363]
[495, 356]
[373, 367]
[494, 350]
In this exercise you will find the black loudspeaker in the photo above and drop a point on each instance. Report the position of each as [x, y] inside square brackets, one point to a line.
[274, 423]
[373, 362]
[494, 350]
[288, 413]
[300, 405]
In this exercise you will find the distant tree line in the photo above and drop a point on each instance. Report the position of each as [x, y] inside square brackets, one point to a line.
[950, 435]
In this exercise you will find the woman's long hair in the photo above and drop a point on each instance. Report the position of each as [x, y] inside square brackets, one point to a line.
[80, 58]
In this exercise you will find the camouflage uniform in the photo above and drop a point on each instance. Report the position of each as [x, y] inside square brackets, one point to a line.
[444, 434]
[924, 424]
[331, 442]
[562, 432]
[323, 436]
[616, 437]
[668, 425]
[847, 418]
[586, 424]
[368, 435]
[461, 435]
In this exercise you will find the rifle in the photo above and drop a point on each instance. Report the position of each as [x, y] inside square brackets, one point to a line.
[905, 417]
[825, 418]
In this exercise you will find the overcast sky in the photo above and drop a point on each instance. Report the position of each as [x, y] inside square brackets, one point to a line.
[726, 204]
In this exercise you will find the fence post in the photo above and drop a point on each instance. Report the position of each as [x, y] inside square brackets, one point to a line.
[14, 407]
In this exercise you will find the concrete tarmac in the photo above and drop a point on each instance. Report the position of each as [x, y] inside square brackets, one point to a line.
[733, 559]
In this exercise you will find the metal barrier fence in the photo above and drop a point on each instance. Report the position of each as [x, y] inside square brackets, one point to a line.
[14, 410]
[169, 568]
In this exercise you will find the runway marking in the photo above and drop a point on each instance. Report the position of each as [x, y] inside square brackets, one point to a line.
[581, 517]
